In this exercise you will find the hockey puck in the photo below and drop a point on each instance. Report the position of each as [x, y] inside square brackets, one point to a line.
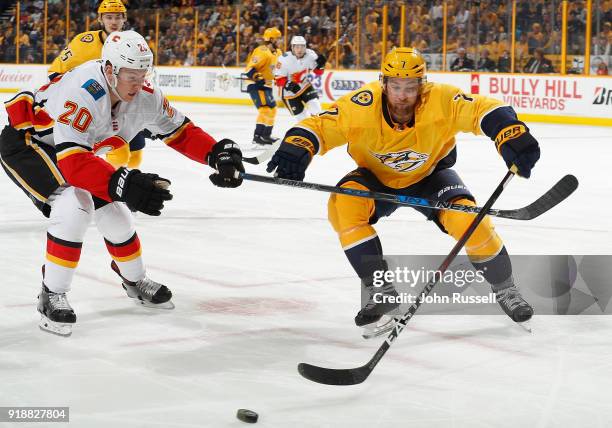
[246, 415]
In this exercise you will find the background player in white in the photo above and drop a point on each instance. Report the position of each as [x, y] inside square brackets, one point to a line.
[291, 72]
[99, 105]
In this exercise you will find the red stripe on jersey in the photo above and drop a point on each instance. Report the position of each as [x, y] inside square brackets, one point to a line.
[125, 249]
[299, 76]
[64, 250]
[22, 114]
[281, 81]
[87, 171]
[113, 142]
[191, 141]
[147, 89]
[54, 80]
[318, 71]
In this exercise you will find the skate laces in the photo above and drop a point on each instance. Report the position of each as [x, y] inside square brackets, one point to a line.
[385, 290]
[510, 297]
[148, 287]
[59, 301]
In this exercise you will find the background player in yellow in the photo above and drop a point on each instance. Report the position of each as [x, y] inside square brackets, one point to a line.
[401, 134]
[87, 46]
[260, 69]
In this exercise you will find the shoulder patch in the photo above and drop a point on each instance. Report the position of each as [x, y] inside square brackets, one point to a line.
[94, 88]
[87, 38]
[363, 98]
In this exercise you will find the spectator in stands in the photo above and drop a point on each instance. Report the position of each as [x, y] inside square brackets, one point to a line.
[435, 44]
[602, 69]
[504, 62]
[521, 50]
[462, 62]
[538, 63]
[484, 62]
[535, 38]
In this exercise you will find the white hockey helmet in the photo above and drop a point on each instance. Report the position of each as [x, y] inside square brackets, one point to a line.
[298, 40]
[127, 49]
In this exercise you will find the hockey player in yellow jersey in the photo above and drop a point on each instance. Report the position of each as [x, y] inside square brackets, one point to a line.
[87, 46]
[260, 69]
[401, 134]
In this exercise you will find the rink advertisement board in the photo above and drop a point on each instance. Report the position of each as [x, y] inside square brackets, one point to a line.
[547, 98]
[548, 94]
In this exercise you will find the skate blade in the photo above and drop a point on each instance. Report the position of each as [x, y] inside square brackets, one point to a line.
[166, 305]
[380, 328]
[525, 325]
[57, 328]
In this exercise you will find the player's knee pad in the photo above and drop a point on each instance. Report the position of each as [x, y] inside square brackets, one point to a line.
[484, 241]
[71, 214]
[135, 159]
[119, 157]
[115, 222]
[350, 216]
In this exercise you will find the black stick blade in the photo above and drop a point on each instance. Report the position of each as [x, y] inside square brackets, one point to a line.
[333, 376]
[557, 194]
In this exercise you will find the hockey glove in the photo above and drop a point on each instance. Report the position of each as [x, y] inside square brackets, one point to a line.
[290, 161]
[259, 79]
[140, 191]
[293, 87]
[518, 147]
[321, 60]
[226, 158]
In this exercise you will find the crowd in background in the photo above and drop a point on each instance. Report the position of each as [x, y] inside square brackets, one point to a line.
[478, 32]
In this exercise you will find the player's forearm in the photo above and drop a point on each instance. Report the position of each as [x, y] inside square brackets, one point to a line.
[191, 141]
[81, 168]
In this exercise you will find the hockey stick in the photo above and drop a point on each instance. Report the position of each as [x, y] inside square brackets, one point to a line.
[359, 374]
[556, 194]
[263, 156]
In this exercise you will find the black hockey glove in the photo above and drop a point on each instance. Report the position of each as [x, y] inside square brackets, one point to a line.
[140, 191]
[522, 150]
[290, 161]
[321, 60]
[293, 87]
[226, 158]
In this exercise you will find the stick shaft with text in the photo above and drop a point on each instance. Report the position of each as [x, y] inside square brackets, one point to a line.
[529, 212]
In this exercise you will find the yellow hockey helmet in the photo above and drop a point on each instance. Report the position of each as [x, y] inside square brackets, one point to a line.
[403, 62]
[111, 6]
[272, 33]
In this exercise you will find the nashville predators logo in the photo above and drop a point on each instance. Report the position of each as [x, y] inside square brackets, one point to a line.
[363, 98]
[87, 38]
[404, 161]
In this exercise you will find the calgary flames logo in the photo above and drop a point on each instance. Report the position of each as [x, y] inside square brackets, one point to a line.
[403, 161]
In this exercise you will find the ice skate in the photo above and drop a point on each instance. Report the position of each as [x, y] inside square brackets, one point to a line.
[261, 142]
[377, 306]
[146, 291]
[383, 326]
[57, 316]
[514, 305]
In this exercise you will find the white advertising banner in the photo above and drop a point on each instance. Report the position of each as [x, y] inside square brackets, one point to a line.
[22, 76]
[542, 95]
[548, 94]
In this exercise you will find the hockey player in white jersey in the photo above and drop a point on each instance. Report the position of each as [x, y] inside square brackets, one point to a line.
[290, 74]
[50, 150]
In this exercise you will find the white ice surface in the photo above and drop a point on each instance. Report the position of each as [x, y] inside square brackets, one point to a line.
[260, 284]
